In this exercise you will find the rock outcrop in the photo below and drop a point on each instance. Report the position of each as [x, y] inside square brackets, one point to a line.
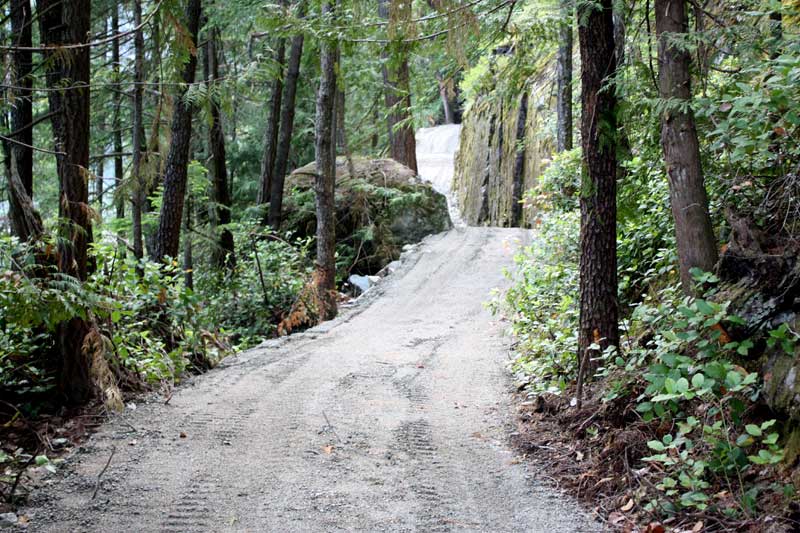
[378, 210]
[504, 148]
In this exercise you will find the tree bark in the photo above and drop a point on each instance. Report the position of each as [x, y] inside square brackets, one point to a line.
[188, 261]
[20, 157]
[445, 98]
[397, 84]
[519, 163]
[68, 23]
[117, 125]
[176, 167]
[564, 79]
[271, 132]
[27, 223]
[697, 246]
[224, 256]
[341, 132]
[137, 196]
[22, 110]
[324, 183]
[287, 128]
[598, 240]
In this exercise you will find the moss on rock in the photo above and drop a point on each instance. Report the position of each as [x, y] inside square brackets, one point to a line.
[378, 210]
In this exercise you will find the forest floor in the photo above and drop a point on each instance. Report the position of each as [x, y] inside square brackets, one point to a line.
[394, 417]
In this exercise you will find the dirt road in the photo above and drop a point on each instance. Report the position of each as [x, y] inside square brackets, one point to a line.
[393, 418]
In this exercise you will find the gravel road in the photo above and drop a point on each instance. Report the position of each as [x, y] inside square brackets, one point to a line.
[393, 417]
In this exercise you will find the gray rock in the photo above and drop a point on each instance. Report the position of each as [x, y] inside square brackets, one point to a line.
[8, 519]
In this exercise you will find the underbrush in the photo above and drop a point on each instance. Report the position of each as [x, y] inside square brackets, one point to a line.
[147, 325]
[671, 431]
[154, 327]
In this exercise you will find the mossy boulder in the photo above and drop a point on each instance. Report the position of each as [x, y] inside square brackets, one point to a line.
[381, 207]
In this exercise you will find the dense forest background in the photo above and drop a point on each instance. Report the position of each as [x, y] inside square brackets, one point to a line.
[154, 226]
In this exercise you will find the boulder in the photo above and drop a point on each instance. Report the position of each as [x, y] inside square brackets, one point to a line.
[764, 291]
[383, 207]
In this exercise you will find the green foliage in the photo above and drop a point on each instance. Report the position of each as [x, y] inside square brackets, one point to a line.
[691, 380]
[545, 306]
[247, 304]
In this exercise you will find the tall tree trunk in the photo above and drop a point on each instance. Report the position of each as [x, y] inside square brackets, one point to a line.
[18, 154]
[341, 132]
[324, 183]
[271, 132]
[137, 196]
[564, 79]
[176, 168]
[117, 134]
[287, 127]
[188, 261]
[445, 98]
[224, 256]
[67, 23]
[598, 262]
[519, 162]
[100, 181]
[397, 84]
[27, 224]
[697, 247]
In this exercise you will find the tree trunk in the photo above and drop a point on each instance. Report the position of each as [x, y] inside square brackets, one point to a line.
[697, 247]
[598, 262]
[66, 23]
[20, 156]
[324, 183]
[519, 163]
[397, 84]
[188, 261]
[176, 168]
[137, 196]
[287, 127]
[27, 223]
[117, 126]
[341, 132]
[564, 79]
[271, 132]
[445, 98]
[99, 182]
[224, 256]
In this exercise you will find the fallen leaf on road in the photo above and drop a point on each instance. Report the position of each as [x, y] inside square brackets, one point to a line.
[616, 518]
[327, 449]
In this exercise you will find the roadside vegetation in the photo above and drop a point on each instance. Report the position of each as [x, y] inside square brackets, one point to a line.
[683, 421]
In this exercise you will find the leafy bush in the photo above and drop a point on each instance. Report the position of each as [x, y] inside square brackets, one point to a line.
[247, 304]
[155, 327]
[544, 304]
[692, 382]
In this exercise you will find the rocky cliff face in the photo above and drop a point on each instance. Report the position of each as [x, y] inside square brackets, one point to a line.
[503, 150]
